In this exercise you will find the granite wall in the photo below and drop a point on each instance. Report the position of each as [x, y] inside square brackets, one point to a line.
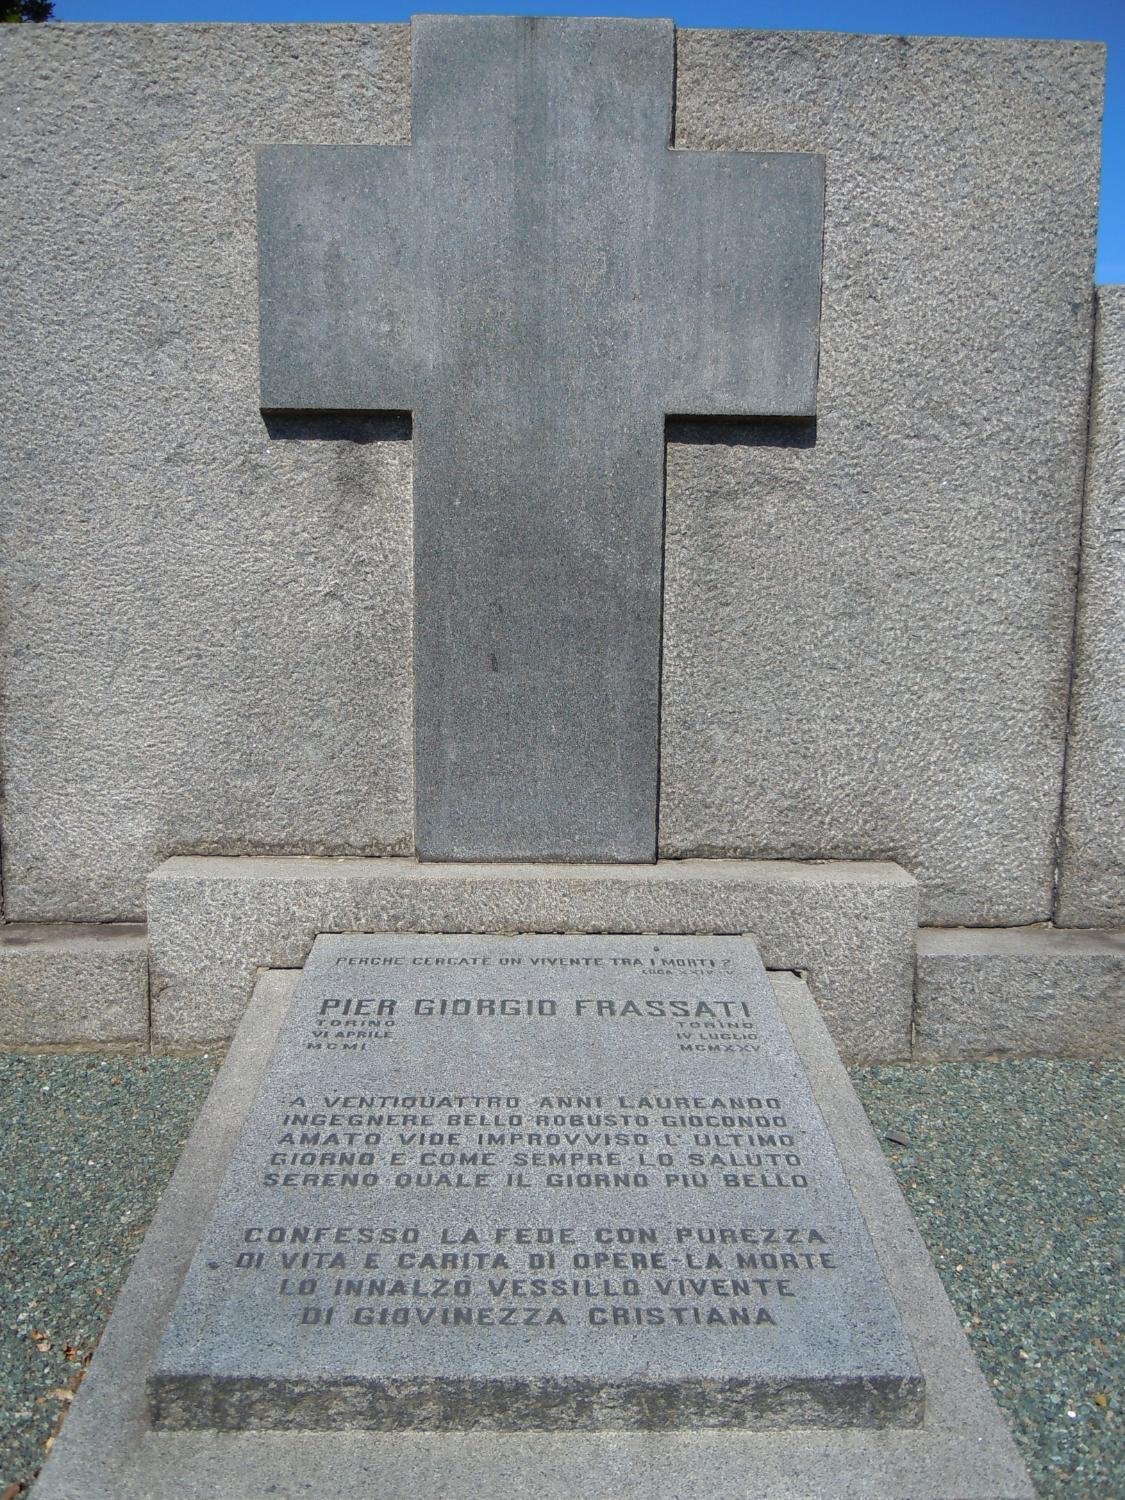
[208, 643]
[868, 636]
[869, 620]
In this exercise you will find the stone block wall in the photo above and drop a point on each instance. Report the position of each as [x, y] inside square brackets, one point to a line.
[208, 621]
[869, 632]
[868, 636]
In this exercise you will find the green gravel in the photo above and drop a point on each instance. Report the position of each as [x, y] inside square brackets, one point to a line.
[1013, 1170]
[89, 1143]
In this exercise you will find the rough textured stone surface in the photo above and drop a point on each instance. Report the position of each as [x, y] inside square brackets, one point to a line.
[106, 1450]
[524, 1104]
[1092, 864]
[867, 638]
[540, 281]
[73, 985]
[208, 627]
[1021, 992]
[214, 922]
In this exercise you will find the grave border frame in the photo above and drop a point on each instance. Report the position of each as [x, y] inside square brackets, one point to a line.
[963, 1450]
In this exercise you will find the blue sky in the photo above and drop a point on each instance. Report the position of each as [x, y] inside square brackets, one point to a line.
[1096, 20]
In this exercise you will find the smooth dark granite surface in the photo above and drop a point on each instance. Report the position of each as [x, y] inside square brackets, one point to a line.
[540, 279]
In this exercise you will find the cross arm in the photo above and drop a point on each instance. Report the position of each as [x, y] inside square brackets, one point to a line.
[744, 233]
[338, 307]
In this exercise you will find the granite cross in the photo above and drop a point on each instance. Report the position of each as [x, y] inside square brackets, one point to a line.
[540, 279]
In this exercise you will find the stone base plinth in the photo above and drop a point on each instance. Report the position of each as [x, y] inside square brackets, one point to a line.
[849, 926]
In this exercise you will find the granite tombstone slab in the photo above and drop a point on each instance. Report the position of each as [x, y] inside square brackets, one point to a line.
[540, 279]
[534, 1182]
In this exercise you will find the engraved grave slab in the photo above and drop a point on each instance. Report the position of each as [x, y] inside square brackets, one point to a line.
[534, 1182]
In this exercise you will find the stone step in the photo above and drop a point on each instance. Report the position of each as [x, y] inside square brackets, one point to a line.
[214, 922]
[1019, 992]
[73, 984]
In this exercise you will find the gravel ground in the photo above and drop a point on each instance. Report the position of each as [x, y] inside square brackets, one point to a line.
[1013, 1170]
[88, 1143]
[1014, 1173]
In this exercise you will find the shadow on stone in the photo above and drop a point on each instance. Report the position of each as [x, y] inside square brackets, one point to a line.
[743, 432]
[339, 426]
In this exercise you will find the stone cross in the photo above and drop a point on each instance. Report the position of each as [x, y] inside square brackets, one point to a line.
[540, 279]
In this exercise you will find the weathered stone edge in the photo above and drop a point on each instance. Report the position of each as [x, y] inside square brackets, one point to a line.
[1091, 854]
[65, 985]
[1022, 991]
[235, 1404]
